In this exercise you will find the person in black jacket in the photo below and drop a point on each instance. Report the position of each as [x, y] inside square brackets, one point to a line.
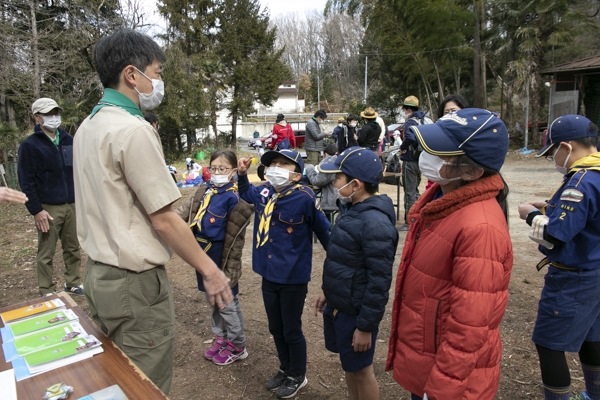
[368, 136]
[45, 171]
[357, 273]
[348, 135]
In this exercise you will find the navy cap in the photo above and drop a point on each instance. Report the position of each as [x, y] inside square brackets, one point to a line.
[357, 162]
[293, 155]
[565, 128]
[478, 133]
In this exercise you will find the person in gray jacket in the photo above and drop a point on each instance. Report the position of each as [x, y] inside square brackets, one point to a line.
[325, 182]
[313, 142]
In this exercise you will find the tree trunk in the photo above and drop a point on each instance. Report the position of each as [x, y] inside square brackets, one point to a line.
[213, 121]
[35, 52]
[478, 101]
[234, 118]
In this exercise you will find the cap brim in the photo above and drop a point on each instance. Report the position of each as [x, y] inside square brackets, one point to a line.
[328, 168]
[46, 110]
[270, 155]
[544, 150]
[435, 141]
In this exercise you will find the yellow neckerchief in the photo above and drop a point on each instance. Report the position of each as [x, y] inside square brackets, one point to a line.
[210, 192]
[262, 235]
[590, 162]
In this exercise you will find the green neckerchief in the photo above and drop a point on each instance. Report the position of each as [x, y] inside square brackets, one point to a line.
[117, 99]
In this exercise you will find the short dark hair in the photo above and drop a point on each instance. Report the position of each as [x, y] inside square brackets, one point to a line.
[457, 99]
[331, 149]
[351, 117]
[151, 118]
[413, 109]
[228, 154]
[125, 47]
[321, 114]
[369, 187]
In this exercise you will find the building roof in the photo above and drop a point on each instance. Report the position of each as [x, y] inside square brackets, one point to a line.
[583, 64]
[287, 91]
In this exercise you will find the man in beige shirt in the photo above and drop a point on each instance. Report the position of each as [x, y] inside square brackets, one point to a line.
[125, 219]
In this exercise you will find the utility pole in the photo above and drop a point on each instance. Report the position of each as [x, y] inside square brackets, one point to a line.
[366, 63]
[318, 93]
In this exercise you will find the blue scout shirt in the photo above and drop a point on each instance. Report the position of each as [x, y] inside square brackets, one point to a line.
[286, 257]
[213, 225]
[574, 219]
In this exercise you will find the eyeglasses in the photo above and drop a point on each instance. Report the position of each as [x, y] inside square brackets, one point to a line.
[220, 170]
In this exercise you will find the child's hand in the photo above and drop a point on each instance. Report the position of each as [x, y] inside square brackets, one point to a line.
[361, 341]
[525, 209]
[243, 165]
[319, 303]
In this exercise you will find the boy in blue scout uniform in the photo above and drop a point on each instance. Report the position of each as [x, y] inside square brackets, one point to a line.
[286, 216]
[567, 227]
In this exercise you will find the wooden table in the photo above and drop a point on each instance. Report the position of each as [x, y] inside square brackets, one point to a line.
[89, 375]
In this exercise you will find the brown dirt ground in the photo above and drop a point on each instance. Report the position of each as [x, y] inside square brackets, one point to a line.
[197, 378]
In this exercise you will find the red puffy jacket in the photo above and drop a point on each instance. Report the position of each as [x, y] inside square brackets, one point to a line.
[451, 293]
[283, 132]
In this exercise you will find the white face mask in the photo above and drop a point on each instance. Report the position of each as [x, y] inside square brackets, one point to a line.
[340, 125]
[279, 177]
[430, 167]
[345, 199]
[152, 100]
[353, 124]
[51, 122]
[220, 180]
[563, 170]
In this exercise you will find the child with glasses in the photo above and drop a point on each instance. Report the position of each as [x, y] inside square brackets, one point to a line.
[218, 219]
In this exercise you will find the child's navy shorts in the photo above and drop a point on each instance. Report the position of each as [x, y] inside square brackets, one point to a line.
[569, 310]
[339, 330]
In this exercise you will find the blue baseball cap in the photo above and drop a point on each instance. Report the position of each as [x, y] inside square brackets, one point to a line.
[478, 133]
[565, 128]
[293, 155]
[357, 162]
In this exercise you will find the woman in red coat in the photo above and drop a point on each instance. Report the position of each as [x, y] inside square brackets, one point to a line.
[282, 130]
[452, 284]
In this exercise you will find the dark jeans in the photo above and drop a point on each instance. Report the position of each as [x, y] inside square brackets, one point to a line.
[411, 176]
[284, 305]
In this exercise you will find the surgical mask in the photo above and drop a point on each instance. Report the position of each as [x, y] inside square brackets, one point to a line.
[279, 177]
[353, 124]
[430, 167]
[340, 125]
[51, 122]
[344, 199]
[563, 170]
[153, 99]
[220, 180]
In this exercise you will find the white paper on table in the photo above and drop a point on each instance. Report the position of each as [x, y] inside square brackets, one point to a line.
[8, 385]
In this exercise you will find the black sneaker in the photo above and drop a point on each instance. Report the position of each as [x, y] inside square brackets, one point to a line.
[291, 386]
[403, 228]
[277, 380]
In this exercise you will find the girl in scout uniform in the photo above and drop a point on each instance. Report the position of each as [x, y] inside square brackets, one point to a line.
[218, 218]
[567, 227]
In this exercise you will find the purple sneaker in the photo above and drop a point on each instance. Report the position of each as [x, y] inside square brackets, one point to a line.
[217, 346]
[230, 354]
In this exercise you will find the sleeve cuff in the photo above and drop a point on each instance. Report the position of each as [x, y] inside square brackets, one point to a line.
[532, 214]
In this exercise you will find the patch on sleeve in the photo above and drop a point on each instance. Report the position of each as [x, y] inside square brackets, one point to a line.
[571, 194]
[264, 192]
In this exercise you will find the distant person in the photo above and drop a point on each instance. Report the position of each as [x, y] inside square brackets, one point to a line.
[452, 283]
[397, 138]
[218, 218]
[368, 136]
[125, 217]
[329, 194]
[152, 120]
[566, 228]
[411, 174]
[453, 102]
[357, 272]
[172, 170]
[339, 128]
[45, 171]
[349, 134]
[283, 134]
[285, 218]
[8, 195]
[313, 141]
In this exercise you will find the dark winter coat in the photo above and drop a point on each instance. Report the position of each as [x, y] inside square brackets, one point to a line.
[45, 170]
[357, 273]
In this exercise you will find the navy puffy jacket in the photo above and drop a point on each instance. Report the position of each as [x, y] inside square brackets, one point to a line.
[46, 171]
[358, 269]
